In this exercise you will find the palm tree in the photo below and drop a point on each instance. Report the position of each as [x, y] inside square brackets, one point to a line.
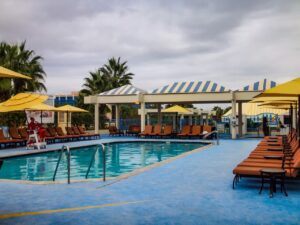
[16, 57]
[112, 75]
[118, 72]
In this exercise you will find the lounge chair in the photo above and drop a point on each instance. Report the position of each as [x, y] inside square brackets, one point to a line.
[288, 159]
[71, 133]
[167, 131]
[6, 142]
[62, 135]
[196, 131]
[185, 131]
[49, 139]
[113, 131]
[23, 133]
[156, 131]
[83, 132]
[133, 130]
[147, 131]
[14, 134]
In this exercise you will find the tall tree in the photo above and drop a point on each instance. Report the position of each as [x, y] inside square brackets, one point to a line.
[18, 58]
[117, 71]
[114, 74]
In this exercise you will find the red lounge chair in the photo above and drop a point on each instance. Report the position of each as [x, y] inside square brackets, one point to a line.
[113, 131]
[83, 132]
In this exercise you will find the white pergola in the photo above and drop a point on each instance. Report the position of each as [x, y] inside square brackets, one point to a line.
[180, 93]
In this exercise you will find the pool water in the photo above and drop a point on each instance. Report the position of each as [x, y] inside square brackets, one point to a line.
[121, 158]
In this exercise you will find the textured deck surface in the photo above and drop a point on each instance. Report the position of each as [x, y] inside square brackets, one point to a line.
[195, 189]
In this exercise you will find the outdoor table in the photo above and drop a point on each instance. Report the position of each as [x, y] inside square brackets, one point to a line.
[273, 174]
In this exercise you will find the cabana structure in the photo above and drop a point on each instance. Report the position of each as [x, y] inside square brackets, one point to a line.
[194, 92]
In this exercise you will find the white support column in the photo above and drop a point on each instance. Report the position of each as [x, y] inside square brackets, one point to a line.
[142, 116]
[117, 116]
[190, 120]
[240, 114]
[96, 118]
[233, 117]
[148, 118]
[159, 113]
[294, 118]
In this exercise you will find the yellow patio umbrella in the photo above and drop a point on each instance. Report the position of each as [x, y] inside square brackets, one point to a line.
[68, 109]
[42, 107]
[6, 73]
[22, 101]
[177, 109]
[287, 89]
[273, 98]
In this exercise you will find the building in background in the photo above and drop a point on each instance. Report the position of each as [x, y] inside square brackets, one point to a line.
[66, 99]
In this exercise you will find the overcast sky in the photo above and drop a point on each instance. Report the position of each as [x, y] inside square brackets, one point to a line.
[233, 43]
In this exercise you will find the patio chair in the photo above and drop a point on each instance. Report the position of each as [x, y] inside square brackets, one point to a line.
[23, 133]
[62, 135]
[147, 131]
[8, 142]
[113, 131]
[167, 131]
[185, 131]
[82, 131]
[156, 131]
[196, 131]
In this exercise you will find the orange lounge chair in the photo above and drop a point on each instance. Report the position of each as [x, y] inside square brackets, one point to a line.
[7, 142]
[185, 131]
[196, 131]
[156, 131]
[147, 131]
[167, 131]
[113, 131]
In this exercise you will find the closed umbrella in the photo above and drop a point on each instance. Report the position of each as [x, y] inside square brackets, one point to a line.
[6, 73]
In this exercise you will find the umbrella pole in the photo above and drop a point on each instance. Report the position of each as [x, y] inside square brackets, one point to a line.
[41, 117]
[298, 118]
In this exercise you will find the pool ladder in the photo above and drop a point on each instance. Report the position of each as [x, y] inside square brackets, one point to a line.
[67, 149]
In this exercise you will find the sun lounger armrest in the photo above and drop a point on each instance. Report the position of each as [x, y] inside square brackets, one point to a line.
[275, 149]
[274, 145]
[273, 157]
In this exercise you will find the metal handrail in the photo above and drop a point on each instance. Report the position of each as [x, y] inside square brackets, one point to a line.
[213, 132]
[63, 148]
[93, 159]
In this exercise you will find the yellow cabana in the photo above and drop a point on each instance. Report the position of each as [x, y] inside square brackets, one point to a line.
[6, 73]
[68, 109]
[253, 109]
[22, 101]
[176, 109]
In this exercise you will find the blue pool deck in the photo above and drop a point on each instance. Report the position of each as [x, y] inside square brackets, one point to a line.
[195, 189]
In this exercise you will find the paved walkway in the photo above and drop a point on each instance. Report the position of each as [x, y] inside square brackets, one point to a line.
[195, 189]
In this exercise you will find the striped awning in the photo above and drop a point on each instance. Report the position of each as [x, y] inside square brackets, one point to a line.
[124, 90]
[190, 87]
[260, 85]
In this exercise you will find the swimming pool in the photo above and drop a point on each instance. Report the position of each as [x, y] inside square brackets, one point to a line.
[121, 158]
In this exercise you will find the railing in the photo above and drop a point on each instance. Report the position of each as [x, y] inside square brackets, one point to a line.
[93, 159]
[63, 148]
[211, 133]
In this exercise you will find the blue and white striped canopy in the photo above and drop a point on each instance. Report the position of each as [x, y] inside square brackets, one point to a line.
[124, 90]
[190, 87]
[260, 85]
